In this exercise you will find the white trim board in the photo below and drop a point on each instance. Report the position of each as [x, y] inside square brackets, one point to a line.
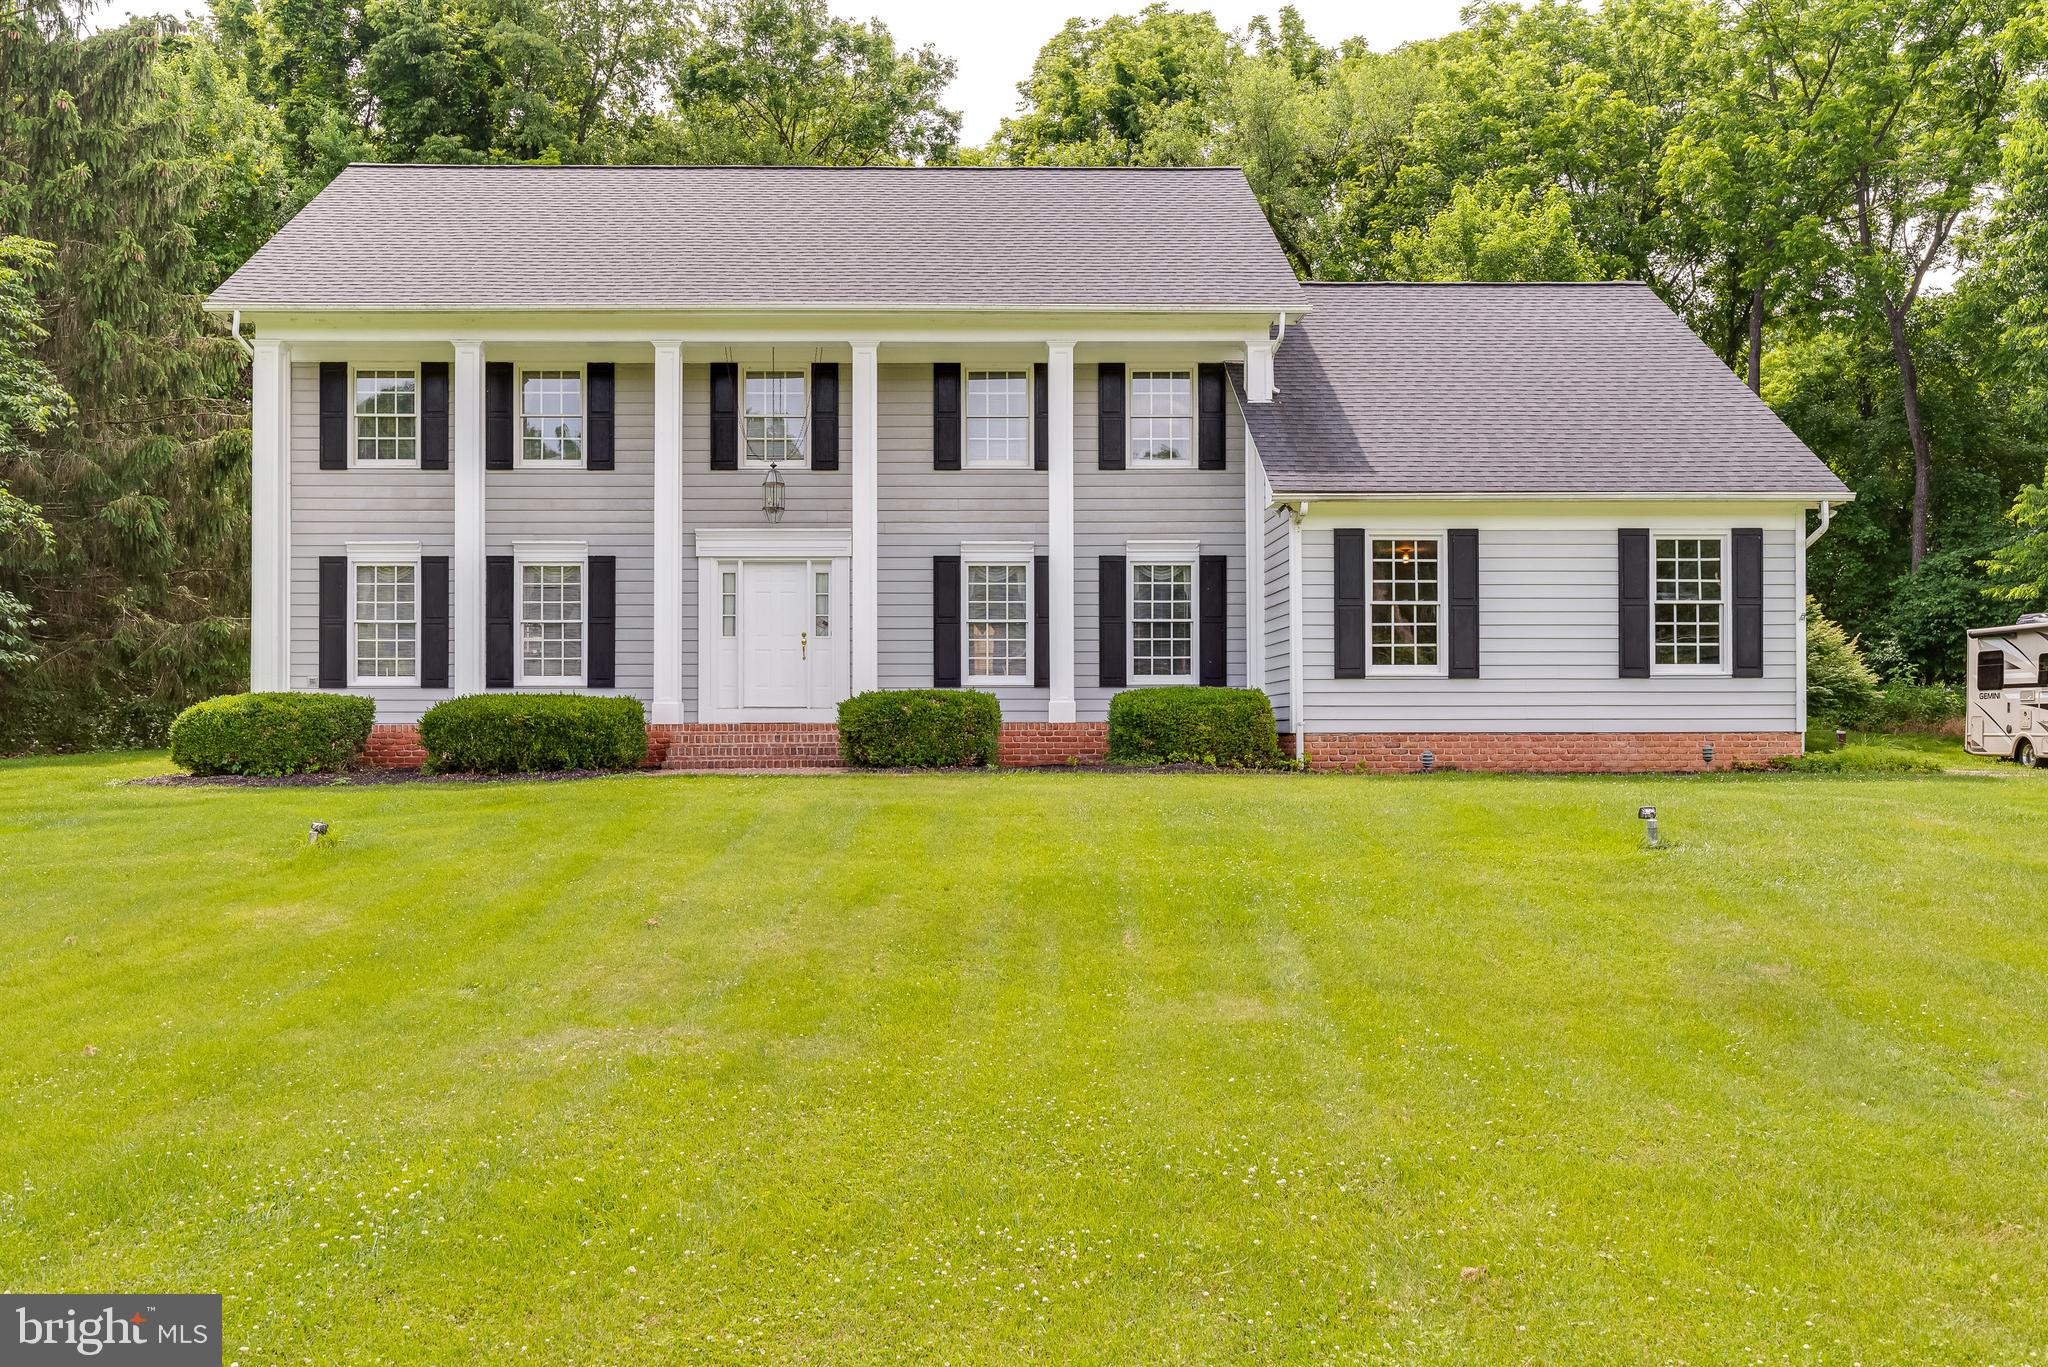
[769, 543]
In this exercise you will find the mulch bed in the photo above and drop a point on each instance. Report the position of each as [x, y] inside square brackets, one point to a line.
[361, 778]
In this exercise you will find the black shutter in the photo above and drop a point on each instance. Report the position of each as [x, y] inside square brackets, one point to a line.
[725, 415]
[1747, 543]
[1990, 665]
[1041, 416]
[1349, 544]
[433, 621]
[334, 621]
[1041, 621]
[334, 415]
[603, 387]
[1109, 416]
[1633, 563]
[1109, 617]
[945, 621]
[946, 415]
[1214, 605]
[1209, 426]
[1464, 603]
[433, 415]
[600, 622]
[498, 415]
[497, 621]
[825, 415]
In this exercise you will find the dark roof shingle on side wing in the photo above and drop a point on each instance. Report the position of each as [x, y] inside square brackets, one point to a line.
[664, 237]
[1517, 390]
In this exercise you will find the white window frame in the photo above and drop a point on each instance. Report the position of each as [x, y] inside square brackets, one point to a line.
[393, 555]
[747, 459]
[1007, 555]
[520, 460]
[1443, 567]
[1131, 415]
[418, 417]
[544, 556]
[967, 460]
[1725, 668]
[1138, 553]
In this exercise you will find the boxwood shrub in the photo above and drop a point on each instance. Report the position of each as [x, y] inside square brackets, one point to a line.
[919, 728]
[524, 733]
[1230, 727]
[271, 733]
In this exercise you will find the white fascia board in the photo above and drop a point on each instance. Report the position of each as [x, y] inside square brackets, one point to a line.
[1804, 500]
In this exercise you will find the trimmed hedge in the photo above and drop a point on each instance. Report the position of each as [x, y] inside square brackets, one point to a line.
[1230, 727]
[920, 728]
[526, 733]
[271, 733]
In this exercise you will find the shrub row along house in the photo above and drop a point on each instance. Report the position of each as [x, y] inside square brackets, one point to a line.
[741, 442]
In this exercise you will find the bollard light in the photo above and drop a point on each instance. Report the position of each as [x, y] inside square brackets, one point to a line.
[1428, 760]
[1648, 815]
[1841, 737]
[1707, 753]
[319, 828]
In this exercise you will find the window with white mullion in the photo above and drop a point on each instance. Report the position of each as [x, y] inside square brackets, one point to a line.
[551, 623]
[999, 418]
[385, 622]
[998, 622]
[1162, 417]
[772, 411]
[551, 417]
[1687, 598]
[1406, 602]
[387, 417]
[1163, 622]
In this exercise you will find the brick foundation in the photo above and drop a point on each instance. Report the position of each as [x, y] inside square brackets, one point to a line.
[394, 745]
[1544, 752]
[1040, 744]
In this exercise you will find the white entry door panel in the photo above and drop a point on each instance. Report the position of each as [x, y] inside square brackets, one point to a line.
[774, 635]
[772, 638]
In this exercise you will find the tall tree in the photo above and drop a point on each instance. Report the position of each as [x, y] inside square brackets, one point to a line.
[31, 403]
[145, 483]
[1488, 233]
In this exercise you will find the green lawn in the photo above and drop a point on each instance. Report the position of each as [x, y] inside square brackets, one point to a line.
[1057, 1068]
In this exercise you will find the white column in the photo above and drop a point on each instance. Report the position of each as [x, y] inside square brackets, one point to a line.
[1297, 701]
[270, 518]
[668, 533]
[1059, 504]
[867, 507]
[466, 564]
[1258, 372]
[1254, 566]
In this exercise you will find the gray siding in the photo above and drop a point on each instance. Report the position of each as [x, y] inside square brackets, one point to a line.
[331, 508]
[926, 512]
[1114, 506]
[612, 510]
[1548, 648]
[732, 498]
[1279, 662]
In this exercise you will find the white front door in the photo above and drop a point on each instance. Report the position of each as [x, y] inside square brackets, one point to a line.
[775, 634]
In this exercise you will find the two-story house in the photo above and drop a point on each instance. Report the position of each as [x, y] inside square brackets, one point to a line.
[743, 441]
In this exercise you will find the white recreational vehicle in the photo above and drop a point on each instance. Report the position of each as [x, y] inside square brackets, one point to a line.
[2008, 712]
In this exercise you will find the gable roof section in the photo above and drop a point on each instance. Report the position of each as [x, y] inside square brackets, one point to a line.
[1516, 390]
[747, 238]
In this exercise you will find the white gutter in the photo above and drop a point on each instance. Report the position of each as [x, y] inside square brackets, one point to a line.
[1827, 515]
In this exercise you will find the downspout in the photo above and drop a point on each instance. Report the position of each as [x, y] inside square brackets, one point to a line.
[1281, 335]
[1827, 515]
[235, 324]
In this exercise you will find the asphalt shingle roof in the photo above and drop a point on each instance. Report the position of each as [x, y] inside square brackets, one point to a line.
[1515, 389]
[638, 237]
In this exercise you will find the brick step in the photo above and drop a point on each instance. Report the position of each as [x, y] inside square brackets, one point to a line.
[795, 746]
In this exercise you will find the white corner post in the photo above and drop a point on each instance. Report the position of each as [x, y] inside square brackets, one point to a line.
[1254, 567]
[466, 568]
[1059, 506]
[1297, 687]
[270, 506]
[867, 516]
[668, 533]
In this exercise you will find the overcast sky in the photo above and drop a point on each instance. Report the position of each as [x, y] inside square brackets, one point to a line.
[994, 42]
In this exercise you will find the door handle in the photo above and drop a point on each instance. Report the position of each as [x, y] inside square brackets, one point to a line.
[803, 641]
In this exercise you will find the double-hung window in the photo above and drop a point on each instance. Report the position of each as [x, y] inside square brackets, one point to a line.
[999, 419]
[772, 417]
[1406, 597]
[1687, 604]
[999, 623]
[551, 417]
[387, 417]
[1162, 621]
[384, 618]
[551, 623]
[1162, 404]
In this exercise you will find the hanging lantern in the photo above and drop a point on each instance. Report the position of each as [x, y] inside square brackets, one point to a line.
[771, 494]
